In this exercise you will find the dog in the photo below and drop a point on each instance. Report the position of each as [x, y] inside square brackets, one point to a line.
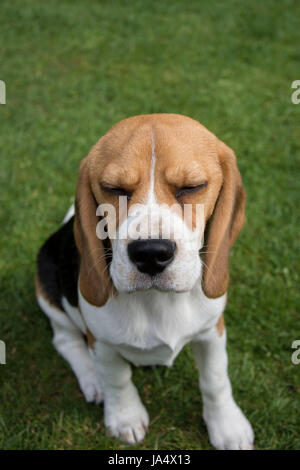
[139, 298]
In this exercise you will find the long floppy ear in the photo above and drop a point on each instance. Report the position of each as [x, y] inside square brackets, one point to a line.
[95, 282]
[224, 225]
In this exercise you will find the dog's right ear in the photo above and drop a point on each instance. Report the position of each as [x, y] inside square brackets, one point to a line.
[95, 282]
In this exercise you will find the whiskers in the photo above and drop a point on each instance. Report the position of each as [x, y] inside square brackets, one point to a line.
[107, 255]
[206, 266]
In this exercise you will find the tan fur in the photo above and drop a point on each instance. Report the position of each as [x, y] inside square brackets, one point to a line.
[224, 225]
[95, 283]
[90, 339]
[38, 288]
[221, 325]
[186, 154]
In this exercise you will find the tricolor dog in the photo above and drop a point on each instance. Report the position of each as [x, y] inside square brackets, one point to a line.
[140, 299]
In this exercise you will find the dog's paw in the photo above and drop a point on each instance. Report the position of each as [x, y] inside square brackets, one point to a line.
[228, 428]
[128, 423]
[91, 389]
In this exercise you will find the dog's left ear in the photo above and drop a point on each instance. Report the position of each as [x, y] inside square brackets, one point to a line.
[224, 225]
[95, 282]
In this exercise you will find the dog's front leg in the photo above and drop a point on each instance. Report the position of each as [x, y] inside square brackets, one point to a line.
[125, 416]
[227, 426]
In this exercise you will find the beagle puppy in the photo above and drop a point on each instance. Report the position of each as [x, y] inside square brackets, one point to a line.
[139, 296]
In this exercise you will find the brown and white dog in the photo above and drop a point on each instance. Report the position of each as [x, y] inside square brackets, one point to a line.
[141, 300]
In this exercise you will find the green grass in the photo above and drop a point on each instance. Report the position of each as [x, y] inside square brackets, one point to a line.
[74, 68]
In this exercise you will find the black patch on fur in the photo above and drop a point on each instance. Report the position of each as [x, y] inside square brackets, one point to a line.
[58, 266]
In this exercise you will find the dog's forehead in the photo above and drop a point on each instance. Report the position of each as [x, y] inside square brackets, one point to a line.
[171, 138]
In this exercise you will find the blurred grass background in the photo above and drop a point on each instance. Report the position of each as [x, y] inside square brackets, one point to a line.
[74, 68]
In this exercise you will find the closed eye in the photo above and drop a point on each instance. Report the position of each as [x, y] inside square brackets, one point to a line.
[115, 191]
[189, 189]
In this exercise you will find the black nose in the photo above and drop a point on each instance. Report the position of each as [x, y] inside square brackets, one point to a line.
[151, 256]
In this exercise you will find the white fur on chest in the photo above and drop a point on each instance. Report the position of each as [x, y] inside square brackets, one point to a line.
[151, 327]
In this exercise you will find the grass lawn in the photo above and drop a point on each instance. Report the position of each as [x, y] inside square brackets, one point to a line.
[74, 68]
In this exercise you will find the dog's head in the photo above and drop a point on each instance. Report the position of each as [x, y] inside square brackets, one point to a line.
[164, 188]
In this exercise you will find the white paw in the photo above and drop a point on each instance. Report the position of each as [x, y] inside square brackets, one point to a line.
[91, 389]
[128, 421]
[228, 428]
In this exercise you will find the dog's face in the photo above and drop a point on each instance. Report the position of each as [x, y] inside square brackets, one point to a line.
[174, 187]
